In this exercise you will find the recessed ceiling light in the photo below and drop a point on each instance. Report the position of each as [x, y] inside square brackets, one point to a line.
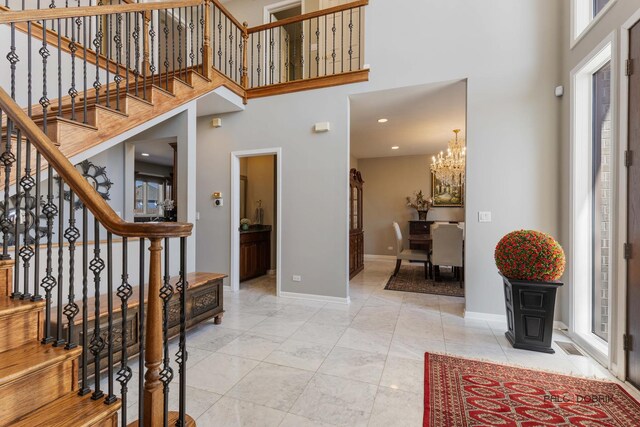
[383, 120]
[395, 147]
[144, 154]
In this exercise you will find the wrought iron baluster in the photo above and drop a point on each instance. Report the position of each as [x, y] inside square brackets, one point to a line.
[36, 267]
[59, 71]
[141, 336]
[166, 50]
[325, 45]
[97, 46]
[109, 31]
[179, 42]
[166, 292]
[118, 41]
[200, 36]
[136, 60]
[84, 387]
[192, 55]
[173, 42]
[111, 397]
[8, 159]
[309, 65]
[286, 59]
[18, 211]
[342, 41]
[84, 69]
[181, 355]
[71, 234]
[59, 304]
[271, 47]
[219, 40]
[152, 36]
[73, 92]
[350, 39]
[145, 56]
[301, 51]
[259, 59]
[333, 52]
[50, 210]
[127, 50]
[124, 293]
[97, 343]
[318, 46]
[251, 40]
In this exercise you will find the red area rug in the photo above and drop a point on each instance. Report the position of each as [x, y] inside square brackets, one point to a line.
[462, 392]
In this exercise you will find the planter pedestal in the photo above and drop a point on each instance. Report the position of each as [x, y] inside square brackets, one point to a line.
[530, 306]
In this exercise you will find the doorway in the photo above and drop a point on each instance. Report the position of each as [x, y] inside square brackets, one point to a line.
[256, 218]
[633, 216]
[288, 60]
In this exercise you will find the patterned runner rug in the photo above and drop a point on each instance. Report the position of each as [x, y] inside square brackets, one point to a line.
[410, 278]
[461, 392]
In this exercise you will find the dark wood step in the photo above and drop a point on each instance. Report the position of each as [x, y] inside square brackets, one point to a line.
[72, 409]
[20, 322]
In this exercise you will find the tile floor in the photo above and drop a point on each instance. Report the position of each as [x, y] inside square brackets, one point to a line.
[296, 363]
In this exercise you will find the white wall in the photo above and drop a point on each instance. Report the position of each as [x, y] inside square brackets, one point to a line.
[509, 53]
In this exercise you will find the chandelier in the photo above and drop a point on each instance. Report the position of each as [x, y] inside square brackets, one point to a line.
[449, 169]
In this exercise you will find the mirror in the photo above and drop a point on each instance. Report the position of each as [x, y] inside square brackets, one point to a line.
[243, 196]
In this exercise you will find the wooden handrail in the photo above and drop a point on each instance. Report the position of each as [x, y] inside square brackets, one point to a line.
[229, 15]
[310, 15]
[81, 187]
[78, 12]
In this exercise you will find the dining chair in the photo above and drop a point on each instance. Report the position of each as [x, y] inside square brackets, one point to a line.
[408, 254]
[447, 249]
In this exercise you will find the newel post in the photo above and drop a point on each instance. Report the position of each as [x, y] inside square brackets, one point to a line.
[153, 393]
[146, 42]
[245, 64]
[207, 49]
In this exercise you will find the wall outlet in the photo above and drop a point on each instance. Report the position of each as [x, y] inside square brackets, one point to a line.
[389, 248]
[296, 278]
[484, 216]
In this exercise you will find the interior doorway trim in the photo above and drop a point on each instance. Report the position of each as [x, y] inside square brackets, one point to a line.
[279, 7]
[234, 271]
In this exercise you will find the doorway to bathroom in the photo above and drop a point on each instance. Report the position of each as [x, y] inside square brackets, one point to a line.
[255, 221]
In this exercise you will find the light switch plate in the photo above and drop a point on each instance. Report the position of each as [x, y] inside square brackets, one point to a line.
[484, 216]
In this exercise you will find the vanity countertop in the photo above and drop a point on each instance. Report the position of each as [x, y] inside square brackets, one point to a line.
[256, 229]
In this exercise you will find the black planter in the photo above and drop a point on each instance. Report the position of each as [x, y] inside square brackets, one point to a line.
[530, 307]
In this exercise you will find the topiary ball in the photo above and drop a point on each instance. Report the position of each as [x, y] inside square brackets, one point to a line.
[530, 255]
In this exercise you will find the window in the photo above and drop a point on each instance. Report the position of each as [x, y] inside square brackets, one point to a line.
[593, 171]
[149, 194]
[601, 200]
[584, 15]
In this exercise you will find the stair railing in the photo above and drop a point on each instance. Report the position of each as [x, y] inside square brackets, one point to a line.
[323, 43]
[55, 200]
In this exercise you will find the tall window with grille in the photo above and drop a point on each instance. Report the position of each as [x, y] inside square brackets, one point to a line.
[601, 201]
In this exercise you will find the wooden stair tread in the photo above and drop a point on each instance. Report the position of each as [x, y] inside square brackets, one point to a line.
[9, 306]
[81, 411]
[32, 357]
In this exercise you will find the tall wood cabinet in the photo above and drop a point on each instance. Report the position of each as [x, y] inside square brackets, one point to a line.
[356, 232]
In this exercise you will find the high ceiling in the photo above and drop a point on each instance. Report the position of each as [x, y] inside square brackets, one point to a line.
[420, 119]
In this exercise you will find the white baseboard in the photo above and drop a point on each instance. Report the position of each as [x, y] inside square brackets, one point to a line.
[312, 297]
[379, 257]
[490, 317]
[557, 324]
[271, 272]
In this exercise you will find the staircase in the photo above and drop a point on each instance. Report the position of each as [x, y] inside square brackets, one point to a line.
[117, 66]
[38, 383]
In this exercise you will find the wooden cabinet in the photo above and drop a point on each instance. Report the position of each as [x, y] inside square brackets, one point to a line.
[356, 232]
[255, 252]
[204, 301]
[419, 228]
